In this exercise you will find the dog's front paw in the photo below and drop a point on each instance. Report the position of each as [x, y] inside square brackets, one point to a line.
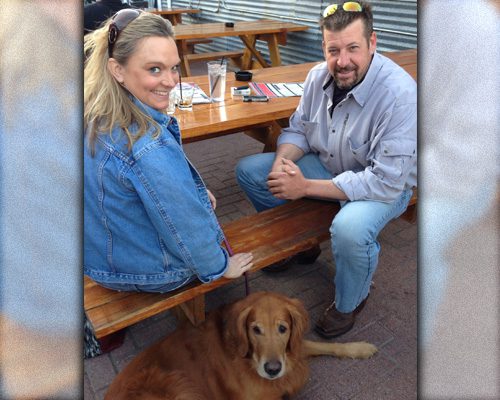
[361, 350]
[358, 350]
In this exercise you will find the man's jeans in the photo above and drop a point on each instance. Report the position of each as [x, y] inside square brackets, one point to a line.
[354, 229]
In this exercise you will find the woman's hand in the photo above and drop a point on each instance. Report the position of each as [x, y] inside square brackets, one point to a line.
[212, 199]
[238, 265]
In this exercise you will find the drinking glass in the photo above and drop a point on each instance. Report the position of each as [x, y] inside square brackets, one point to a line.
[217, 80]
[185, 92]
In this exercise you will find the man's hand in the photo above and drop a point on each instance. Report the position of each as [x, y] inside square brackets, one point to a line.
[286, 181]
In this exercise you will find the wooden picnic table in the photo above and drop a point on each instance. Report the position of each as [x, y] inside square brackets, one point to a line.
[270, 235]
[174, 15]
[270, 31]
[262, 121]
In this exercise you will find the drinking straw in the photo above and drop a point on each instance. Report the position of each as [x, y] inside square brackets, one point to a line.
[217, 77]
[180, 85]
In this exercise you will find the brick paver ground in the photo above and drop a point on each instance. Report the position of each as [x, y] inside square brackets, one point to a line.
[389, 319]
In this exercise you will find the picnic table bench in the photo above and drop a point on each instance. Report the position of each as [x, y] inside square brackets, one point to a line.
[271, 236]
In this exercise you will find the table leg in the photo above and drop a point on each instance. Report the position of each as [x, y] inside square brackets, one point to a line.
[172, 18]
[182, 49]
[177, 19]
[274, 51]
[268, 134]
[250, 50]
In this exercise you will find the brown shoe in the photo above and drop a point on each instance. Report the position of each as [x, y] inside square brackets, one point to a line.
[333, 323]
[304, 257]
[279, 266]
[308, 256]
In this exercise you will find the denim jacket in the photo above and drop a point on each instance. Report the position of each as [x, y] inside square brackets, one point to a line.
[147, 215]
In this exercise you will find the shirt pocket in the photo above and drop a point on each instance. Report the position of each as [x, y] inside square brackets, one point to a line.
[360, 153]
[396, 155]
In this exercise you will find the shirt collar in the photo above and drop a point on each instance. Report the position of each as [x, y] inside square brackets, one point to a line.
[362, 91]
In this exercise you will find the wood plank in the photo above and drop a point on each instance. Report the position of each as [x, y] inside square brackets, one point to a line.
[218, 29]
[174, 15]
[190, 44]
[266, 234]
[213, 55]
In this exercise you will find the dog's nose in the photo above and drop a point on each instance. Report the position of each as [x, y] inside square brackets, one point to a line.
[272, 368]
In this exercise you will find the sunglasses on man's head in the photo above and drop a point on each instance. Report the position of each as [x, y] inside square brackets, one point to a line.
[349, 6]
[120, 21]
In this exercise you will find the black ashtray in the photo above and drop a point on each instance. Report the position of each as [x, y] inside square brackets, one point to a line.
[243, 76]
[229, 24]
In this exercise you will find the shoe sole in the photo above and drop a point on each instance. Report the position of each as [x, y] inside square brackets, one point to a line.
[320, 331]
[328, 335]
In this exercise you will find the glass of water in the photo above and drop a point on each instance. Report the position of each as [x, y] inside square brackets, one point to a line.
[217, 80]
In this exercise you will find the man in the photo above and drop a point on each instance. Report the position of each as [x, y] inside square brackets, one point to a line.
[96, 13]
[353, 139]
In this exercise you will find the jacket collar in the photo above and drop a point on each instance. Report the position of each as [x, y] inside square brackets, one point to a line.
[161, 118]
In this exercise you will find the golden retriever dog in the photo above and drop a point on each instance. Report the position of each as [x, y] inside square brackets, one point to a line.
[253, 349]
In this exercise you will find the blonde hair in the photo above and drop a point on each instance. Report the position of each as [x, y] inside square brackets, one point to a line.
[106, 103]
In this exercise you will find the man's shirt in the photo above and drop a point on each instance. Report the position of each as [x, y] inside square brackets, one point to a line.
[369, 141]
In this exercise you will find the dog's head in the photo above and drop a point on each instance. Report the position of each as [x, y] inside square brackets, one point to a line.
[267, 328]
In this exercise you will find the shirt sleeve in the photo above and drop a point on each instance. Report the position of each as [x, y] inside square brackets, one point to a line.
[174, 204]
[295, 132]
[391, 158]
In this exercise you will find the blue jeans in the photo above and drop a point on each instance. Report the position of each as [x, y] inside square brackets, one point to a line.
[354, 229]
[151, 287]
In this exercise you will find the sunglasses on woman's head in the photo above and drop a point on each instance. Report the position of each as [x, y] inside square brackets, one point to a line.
[120, 21]
[349, 6]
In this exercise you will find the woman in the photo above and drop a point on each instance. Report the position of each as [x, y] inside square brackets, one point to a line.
[148, 218]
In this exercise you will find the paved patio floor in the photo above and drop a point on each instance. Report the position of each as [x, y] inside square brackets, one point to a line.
[389, 319]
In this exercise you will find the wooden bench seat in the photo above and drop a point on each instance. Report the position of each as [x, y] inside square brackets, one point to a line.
[271, 236]
[190, 43]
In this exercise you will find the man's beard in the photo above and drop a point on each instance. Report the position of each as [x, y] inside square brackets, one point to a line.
[346, 84]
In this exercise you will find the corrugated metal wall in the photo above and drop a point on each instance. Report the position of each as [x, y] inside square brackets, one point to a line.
[395, 22]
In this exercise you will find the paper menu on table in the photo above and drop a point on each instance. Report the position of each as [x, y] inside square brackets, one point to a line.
[278, 89]
[199, 97]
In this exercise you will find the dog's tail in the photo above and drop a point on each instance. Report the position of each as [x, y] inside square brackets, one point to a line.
[341, 350]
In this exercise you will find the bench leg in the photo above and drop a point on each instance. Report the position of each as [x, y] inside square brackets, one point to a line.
[111, 341]
[192, 310]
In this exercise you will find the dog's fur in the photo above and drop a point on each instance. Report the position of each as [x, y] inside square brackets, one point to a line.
[250, 350]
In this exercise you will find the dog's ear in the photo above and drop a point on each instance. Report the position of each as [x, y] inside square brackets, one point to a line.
[300, 324]
[235, 328]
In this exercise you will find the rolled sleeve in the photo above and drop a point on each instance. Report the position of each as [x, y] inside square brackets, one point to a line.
[391, 161]
[295, 134]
